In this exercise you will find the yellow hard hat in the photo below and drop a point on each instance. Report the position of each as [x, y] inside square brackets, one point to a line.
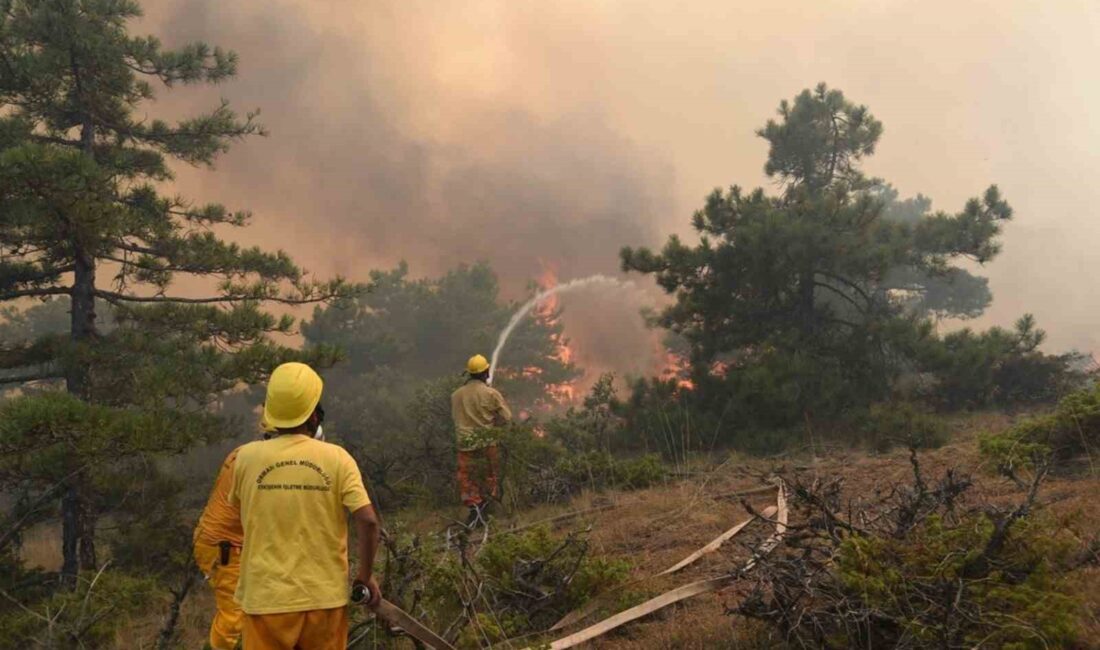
[293, 393]
[477, 364]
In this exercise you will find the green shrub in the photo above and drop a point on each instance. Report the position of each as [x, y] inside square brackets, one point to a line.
[522, 566]
[886, 425]
[911, 565]
[89, 616]
[512, 585]
[998, 367]
[1072, 429]
[637, 473]
[1021, 602]
[543, 472]
[597, 470]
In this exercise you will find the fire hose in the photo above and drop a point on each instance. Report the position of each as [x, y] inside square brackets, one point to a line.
[399, 618]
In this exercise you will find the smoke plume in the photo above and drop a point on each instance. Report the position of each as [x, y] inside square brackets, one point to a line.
[529, 134]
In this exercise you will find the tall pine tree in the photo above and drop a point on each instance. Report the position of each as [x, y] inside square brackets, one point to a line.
[84, 215]
[804, 294]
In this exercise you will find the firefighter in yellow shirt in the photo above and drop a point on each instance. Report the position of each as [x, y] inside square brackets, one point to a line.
[217, 543]
[478, 409]
[294, 491]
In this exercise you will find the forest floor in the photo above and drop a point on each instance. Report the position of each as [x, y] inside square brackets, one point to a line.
[656, 527]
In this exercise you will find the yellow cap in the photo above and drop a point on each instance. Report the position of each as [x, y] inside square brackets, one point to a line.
[293, 393]
[477, 365]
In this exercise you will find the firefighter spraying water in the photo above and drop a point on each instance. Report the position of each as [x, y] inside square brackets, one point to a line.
[478, 410]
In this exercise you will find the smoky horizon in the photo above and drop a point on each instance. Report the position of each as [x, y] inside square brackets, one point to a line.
[541, 139]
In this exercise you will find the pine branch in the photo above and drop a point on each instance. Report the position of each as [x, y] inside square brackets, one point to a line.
[115, 298]
[137, 248]
[194, 62]
[824, 285]
[44, 349]
[203, 253]
[171, 268]
[845, 281]
[13, 528]
[35, 293]
[29, 273]
[196, 140]
[47, 139]
[303, 299]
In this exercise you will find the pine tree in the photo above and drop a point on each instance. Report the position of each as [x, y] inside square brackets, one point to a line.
[84, 215]
[796, 294]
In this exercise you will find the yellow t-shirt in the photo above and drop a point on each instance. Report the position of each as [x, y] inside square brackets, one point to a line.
[221, 520]
[476, 409]
[293, 491]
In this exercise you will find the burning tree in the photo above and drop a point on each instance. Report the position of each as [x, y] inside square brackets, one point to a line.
[83, 217]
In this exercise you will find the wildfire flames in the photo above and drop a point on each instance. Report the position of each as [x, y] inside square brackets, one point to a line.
[565, 392]
[671, 366]
[676, 368]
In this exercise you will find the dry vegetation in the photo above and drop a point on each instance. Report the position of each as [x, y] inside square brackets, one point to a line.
[656, 527]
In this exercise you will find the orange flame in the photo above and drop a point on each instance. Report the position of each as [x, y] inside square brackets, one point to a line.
[548, 279]
[676, 368]
[566, 392]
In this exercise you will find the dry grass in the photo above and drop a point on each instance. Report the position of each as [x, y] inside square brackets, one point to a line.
[1070, 501]
[42, 547]
[655, 528]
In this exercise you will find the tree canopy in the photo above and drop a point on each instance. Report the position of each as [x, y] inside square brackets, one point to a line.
[86, 214]
[818, 280]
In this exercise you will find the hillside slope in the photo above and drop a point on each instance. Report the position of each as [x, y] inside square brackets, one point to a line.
[655, 528]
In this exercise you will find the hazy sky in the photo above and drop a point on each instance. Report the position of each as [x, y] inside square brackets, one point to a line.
[534, 134]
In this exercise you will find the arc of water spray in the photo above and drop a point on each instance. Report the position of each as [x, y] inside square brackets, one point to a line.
[540, 297]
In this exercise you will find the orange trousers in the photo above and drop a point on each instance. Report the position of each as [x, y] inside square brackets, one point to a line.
[477, 474]
[225, 629]
[316, 629]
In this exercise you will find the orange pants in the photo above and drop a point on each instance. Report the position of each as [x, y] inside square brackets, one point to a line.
[317, 629]
[225, 629]
[477, 474]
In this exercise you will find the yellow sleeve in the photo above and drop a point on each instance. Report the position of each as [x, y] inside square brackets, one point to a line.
[352, 492]
[502, 408]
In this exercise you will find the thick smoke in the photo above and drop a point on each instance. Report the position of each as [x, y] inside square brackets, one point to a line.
[553, 133]
[373, 159]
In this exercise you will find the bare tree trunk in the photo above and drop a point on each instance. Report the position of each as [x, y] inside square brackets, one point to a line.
[70, 537]
[77, 518]
[806, 302]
